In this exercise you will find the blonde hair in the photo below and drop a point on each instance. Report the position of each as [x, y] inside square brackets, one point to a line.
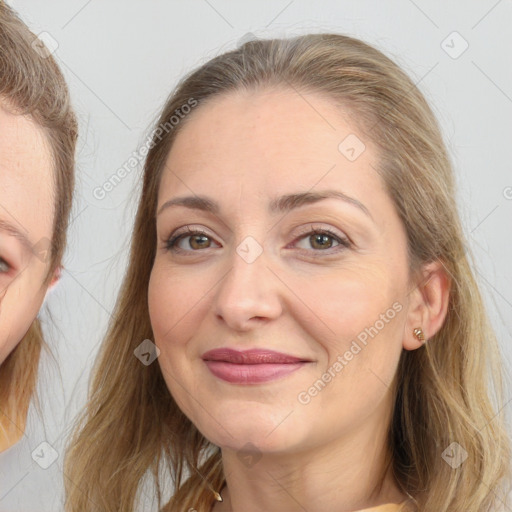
[34, 86]
[132, 428]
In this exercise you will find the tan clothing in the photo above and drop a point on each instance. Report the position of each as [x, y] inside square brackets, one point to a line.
[389, 507]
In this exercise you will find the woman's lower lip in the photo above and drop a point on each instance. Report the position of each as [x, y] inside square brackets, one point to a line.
[251, 373]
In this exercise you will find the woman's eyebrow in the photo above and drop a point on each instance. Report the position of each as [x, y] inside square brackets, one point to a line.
[12, 230]
[281, 204]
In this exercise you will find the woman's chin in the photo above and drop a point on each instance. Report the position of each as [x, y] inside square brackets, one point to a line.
[250, 444]
[251, 433]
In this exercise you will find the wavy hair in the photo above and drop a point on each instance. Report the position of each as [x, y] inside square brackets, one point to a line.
[449, 390]
[32, 84]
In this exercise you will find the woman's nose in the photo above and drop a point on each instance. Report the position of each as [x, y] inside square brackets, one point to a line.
[250, 292]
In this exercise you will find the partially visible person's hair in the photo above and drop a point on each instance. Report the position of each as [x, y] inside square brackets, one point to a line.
[31, 84]
[448, 391]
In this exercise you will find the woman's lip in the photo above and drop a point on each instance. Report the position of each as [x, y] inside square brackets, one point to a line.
[250, 357]
[251, 373]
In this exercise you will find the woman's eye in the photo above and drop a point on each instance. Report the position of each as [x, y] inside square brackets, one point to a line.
[317, 239]
[198, 240]
[322, 240]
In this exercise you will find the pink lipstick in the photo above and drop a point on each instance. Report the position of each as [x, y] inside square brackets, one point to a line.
[250, 366]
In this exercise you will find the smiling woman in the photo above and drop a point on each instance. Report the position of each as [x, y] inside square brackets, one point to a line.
[38, 134]
[309, 237]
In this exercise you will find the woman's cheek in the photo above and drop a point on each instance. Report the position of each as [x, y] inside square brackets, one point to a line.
[169, 305]
[156, 305]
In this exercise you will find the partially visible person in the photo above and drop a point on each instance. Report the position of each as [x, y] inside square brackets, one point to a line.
[38, 134]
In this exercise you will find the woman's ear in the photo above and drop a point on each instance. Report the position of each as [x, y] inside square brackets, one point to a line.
[428, 304]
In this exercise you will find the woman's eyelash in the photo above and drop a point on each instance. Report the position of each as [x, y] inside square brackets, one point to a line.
[344, 243]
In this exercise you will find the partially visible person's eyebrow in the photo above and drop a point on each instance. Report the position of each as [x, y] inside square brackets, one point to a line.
[12, 230]
[281, 204]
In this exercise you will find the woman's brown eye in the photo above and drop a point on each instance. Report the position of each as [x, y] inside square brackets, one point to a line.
[198, 240]
[321, 240]
[200, 244]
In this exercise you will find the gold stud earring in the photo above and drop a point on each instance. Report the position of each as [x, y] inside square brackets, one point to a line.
[419, 334]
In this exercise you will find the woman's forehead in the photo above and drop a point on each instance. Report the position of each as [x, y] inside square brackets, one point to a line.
[258, 151]
[274, 135]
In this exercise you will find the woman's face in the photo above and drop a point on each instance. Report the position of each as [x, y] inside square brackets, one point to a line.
[26, 218]
[334, 303]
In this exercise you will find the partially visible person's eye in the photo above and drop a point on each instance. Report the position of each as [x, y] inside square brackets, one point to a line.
[4, 266]
[318, 238]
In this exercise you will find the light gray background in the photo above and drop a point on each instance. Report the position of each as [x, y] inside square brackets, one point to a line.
[121, 60]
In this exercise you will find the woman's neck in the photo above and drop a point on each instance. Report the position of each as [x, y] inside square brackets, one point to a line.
[339, 477]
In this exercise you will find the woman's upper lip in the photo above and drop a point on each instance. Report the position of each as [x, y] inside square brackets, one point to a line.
[253, 356]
